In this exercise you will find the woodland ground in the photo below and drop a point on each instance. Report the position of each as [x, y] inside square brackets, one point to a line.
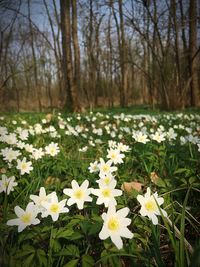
[160, 151]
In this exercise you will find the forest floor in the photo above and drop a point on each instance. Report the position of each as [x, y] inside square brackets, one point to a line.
[114, 187]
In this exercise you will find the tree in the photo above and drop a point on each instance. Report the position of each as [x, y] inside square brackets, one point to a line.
[193, 54]
[123, 60]
[72, 102]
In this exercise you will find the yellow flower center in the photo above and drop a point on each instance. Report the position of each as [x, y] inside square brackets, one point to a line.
[23, 166]
[10, 156]
[6, 184]
[113, 156]
[52, 150]
[26, 218]
[113, 224]
[151, 206]
[105, 168]
[142, 138]
[106, 192]
[79, 194]
[54, 208]
[106, 180]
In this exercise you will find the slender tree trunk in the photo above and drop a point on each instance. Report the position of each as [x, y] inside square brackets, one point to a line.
[34, 60]
[177, 100]
[90, 50]
[123, 61]
[110, 63]
[77, 70]
[55, 46]
[193, 53]
[71, 100]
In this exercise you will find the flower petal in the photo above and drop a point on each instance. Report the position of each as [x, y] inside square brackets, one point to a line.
[19, 211]
[116, 239]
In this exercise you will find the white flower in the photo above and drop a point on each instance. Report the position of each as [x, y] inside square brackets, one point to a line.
[105, 167]
[150, 205]
[54, 208]
[3, 130]
[25, 218]
[98, 141]
[11, 139]
[38, 128]
[20, 144]
[107, 193]
[112, 144]
[183, 140]
[122, 147]
[115, 225]
[41, 200]
[83, 149]
[93, 167]
[78, 194]
[198, 147]
[52, 149]
[140, 137]
[23, 134]
[9, 154]
[171, 135]
[106, 179]
[37, 153]
[115, 156]
[158, 137]
[29, 148]
[24, 166]
[7, 184]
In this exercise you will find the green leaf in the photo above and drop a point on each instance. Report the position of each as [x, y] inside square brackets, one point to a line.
[64, 233]
[87, 261]
[28, 261]
[71, 250]
[56, 246]
[26, 250]
[42, 258]
[181, 170]
[72, 263]
[95, 228]
[76, 236]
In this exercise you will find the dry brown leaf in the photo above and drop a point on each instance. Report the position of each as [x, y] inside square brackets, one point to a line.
[154, 177]
[3, 170]
[52, 180]
[49, 117]
[132, 185]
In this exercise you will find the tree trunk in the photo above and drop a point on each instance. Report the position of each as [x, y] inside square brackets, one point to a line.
[71, 100]
[123, 61]
[77, 71]
[55, 49]
[177, 100]
[193, 53]
[34, 60]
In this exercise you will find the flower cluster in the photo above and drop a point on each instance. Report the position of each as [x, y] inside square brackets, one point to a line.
[115, 222]
[18, 153]
[15, 152]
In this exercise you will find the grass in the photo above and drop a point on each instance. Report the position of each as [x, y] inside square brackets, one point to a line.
[171, 168]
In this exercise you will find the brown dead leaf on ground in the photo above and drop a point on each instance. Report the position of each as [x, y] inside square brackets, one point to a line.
[154, 177]
[49, 117]
[132, 185]
[3, 170]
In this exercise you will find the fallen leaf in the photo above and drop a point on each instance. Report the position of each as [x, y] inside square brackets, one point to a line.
[132, 185]
[49, 117]
[154, 177]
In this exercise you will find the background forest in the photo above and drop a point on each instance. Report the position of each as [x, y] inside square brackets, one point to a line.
[89, 53]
